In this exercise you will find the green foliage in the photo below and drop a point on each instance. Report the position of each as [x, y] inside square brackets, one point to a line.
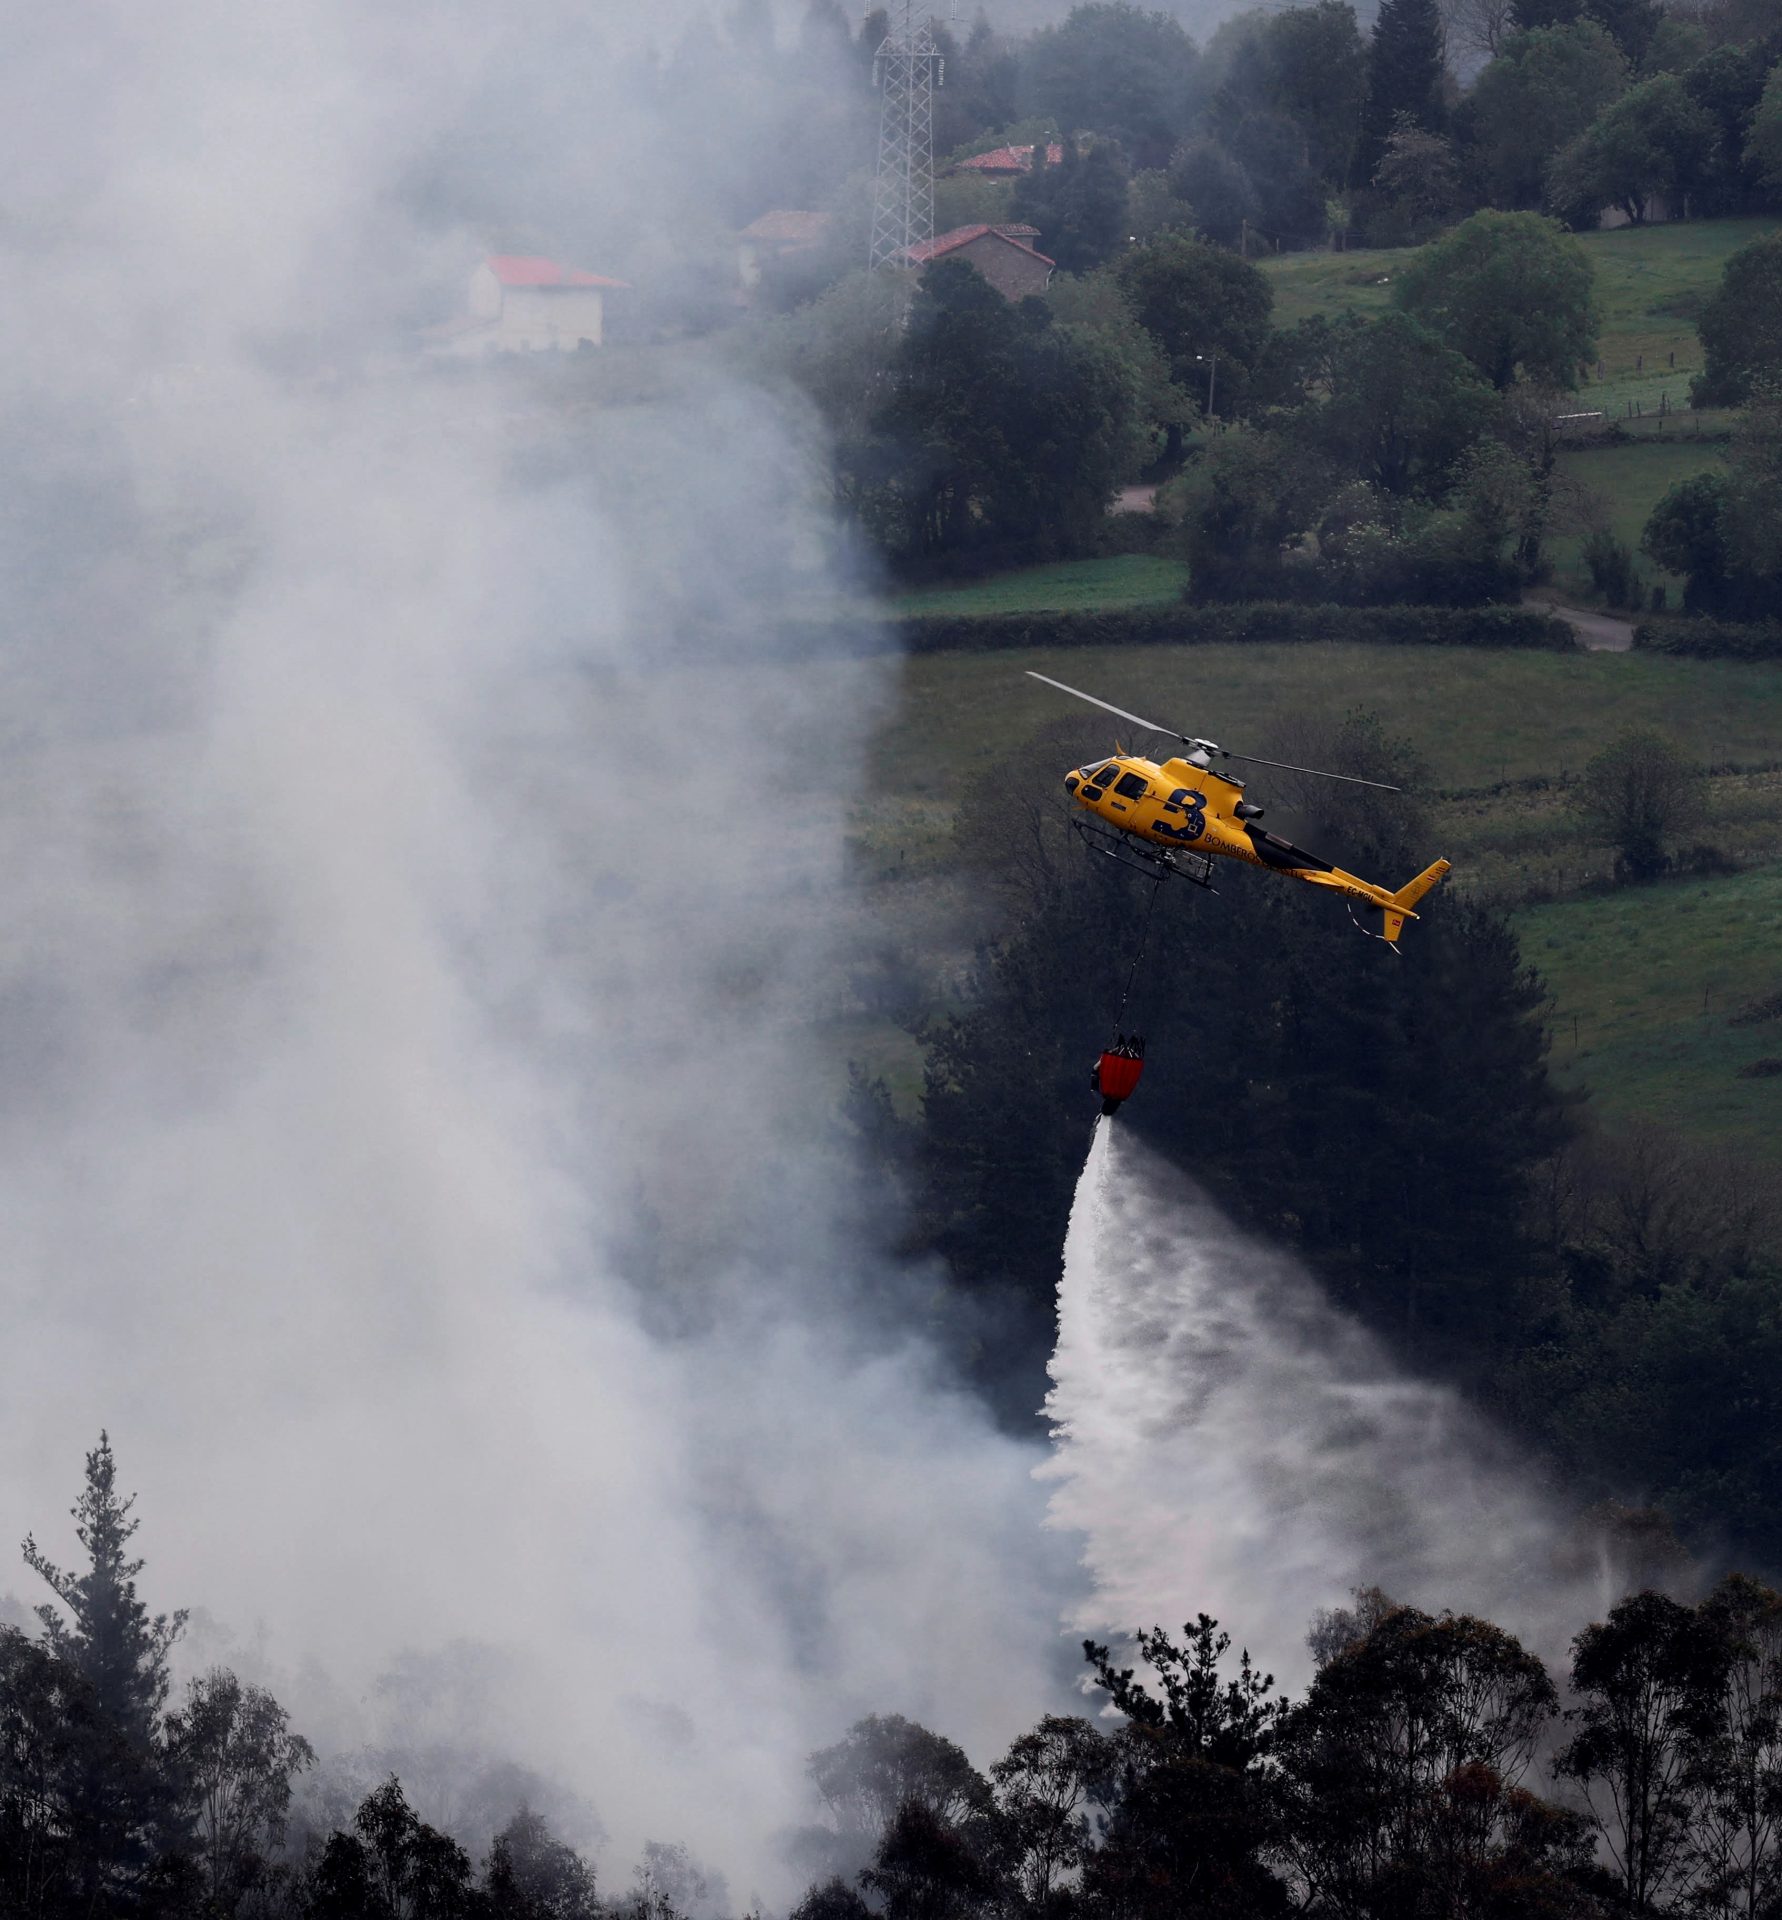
[1406, 74]
[1653, 140]
[1307, 64]
[1724, 530]
[1707, 639]
[1197, 302]
[1631, 22]
[1000, 428]
[1116, 69]
[1612, 570]
[1403, 408]
[1079, 205]
[1510, 291]
[1728, 85]
[1741, 326]
[1162, 411]
[1254, 622]
[1541, 92]
[1763, 150]
[1640, 794]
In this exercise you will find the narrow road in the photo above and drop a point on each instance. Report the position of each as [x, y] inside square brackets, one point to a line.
[1601, 632]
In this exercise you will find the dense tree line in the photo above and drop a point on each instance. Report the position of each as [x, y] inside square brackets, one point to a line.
[111, 1803]
[1428, 1769]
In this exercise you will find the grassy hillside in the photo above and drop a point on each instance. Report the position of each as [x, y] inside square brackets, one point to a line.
[1650, 284]
[1648, 988]
[1624, 484]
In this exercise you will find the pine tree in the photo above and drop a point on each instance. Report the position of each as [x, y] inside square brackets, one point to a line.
[1405, 77]
[109, 1637]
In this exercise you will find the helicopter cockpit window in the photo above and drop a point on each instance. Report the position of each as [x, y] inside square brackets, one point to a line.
[1098, 771]
[1132, 785]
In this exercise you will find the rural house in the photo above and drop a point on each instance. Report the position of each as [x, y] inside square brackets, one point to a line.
[773, 237]
[523, 303]
[1003, 163]
[1005, 256]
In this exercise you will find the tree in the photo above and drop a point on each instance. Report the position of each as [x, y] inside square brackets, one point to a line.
[1162, 411]
[1418, 177]
[1649, 1681]
[1653, 141]
[1686, 535]
[999, 427]
[1736, 1834]
[1403, 408]
[1042, 1788]
[1117, 68]
[1639, 793]
[1510, 291]
[1631, 22]
[1313, 69]
[1763, 150]
[1543, 90]
[886, 1762]
[1198, 302]
[1741, 326]
[532, 1875]
[1406, 75]
[237, 1755]
[1193, 1812]
[926, 1869]
[109, 1636]
[1218, 187]
[1246, 502]
[1727, 83]
[1079, 205]
[1401, 1767]
[1724, 530]
[413, 1871]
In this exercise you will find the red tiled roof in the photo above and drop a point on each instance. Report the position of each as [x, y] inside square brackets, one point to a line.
[533, 270]
[926, 250]
[1009, 160]
[789, 228]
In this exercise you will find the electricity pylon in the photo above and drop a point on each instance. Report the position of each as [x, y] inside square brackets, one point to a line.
[907, 68]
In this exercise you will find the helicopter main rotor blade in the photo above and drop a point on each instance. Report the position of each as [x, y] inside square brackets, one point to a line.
[1188, 739]
[1287, 766]
[1150, 725]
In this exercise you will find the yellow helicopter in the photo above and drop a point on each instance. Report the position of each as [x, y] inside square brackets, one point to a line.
[1183, 815]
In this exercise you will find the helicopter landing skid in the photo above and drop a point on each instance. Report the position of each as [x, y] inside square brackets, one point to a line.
[1165, 864]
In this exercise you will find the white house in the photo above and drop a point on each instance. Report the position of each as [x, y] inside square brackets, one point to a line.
[521, 303]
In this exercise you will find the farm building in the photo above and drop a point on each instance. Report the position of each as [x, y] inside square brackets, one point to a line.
[1005, 256]
[523, 303]
[1003, 163]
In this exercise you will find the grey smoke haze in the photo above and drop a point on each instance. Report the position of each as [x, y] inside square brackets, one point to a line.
[1228, 1441]
[406, 977]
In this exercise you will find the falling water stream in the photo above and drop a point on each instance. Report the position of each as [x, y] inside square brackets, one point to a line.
[1228, 1441]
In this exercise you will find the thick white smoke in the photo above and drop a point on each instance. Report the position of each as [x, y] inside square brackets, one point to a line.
[412, 1133]
[1229, 1442]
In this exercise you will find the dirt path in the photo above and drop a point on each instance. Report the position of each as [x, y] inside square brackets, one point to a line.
[1601, 632]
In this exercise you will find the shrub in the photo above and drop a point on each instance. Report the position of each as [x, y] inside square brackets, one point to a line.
[1711, 639]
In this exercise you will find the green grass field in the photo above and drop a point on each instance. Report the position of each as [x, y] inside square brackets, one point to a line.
[1645, 982]
[1624, 484]
[1650, 284]
[1127, 580]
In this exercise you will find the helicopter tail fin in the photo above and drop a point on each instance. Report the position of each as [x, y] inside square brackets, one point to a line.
[1409, 895]
[1387, 922]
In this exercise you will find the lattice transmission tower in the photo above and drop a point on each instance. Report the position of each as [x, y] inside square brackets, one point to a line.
[907, 68]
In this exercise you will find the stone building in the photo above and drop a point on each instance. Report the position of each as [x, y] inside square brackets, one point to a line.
[1005, 256]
